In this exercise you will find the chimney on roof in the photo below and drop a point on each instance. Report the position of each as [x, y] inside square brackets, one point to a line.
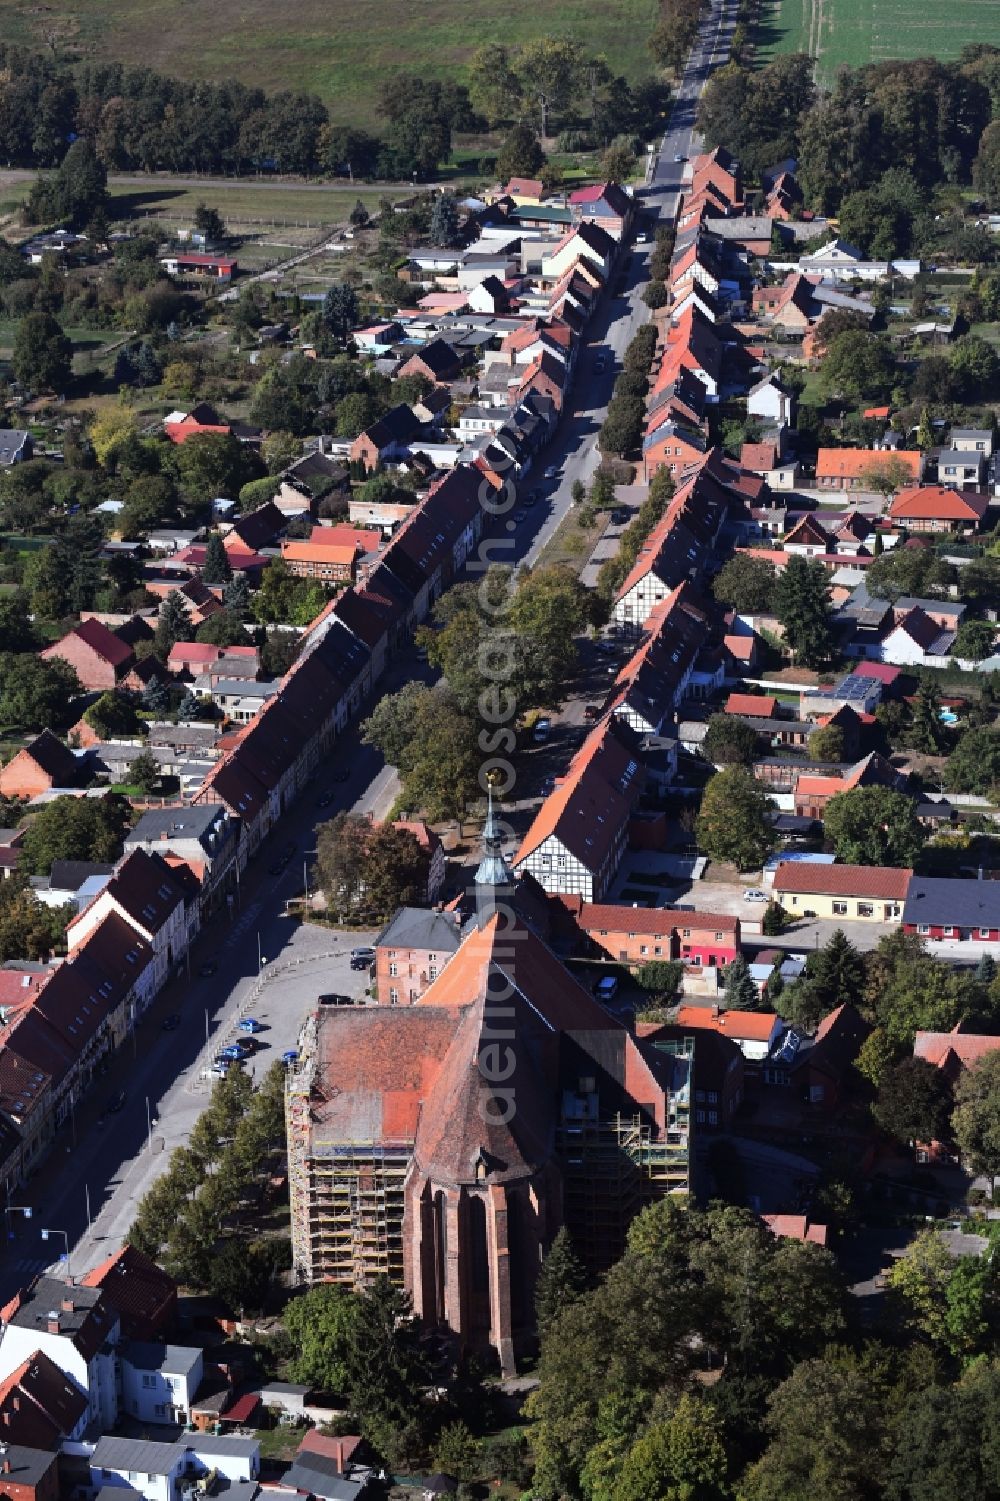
[6, 1465]
[52, 1322]
[68, 1306]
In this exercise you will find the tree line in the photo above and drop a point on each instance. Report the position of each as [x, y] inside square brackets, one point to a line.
[931, 120]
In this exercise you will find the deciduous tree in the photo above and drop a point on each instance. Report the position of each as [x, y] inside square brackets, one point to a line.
[733, 825]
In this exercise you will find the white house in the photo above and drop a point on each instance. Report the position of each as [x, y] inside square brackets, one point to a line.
[769, 399]
[148, 896]
[153, 1469]
[158, 1382]
[235, 1459]
[77, 1329]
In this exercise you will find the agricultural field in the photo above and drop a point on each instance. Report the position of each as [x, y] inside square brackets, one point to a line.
[862, 31]
[342, 50]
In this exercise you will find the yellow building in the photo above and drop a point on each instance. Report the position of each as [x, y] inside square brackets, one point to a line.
[855, 893]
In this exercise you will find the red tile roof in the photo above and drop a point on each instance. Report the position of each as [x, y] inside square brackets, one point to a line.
[965, 1048]
[750, 1026]
[853, 463]
[752, 705]
[805, 877]
[144, 1296]
[938, 503]
[795, 1227]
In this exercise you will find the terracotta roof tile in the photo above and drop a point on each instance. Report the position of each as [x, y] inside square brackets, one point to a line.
[805, 878]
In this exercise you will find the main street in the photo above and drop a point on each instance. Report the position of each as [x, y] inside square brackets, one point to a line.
[102, 1163]
[574, 450]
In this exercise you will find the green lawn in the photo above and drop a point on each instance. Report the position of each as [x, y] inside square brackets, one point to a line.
[262, 205]
[861, 31]
[341, 51]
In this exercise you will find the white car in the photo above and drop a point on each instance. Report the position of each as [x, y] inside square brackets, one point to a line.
[754, 894]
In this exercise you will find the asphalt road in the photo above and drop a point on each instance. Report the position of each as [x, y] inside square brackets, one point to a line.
[573, 450]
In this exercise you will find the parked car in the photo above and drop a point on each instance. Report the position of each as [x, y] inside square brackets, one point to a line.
[116, 1102]
[249, 1024]
[621, 516]
[754, 894]
[218, 1070]
[333, 999]
[208, 969]
[235, 1052]
[530, 499]
[680, 158]
[591, 712]
[540, 733]
[362, 958]
[292, 1056]
[170, 1023]
[606, 987]
[552, 471]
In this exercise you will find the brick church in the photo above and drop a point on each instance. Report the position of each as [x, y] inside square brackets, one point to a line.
[444, 1143]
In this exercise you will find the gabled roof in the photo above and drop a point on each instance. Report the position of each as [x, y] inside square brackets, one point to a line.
[954, 1050]
[746, 1026]
[807, 532]
[84, 1314]
[853, 463]
[142, 1293]
[55, 759]
[752, 705]
[104, 643]
[589, 808]
[938, 503]
[920, 628]
[953, 902]
[804, 878]
[38, 1404]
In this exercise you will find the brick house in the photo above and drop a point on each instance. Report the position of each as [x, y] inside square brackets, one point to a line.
[754, 1032]
[144, 1296]
[28, 1474]
[411, 951]
[99, 657]
[388, 438]
[935, 508]
[845, 468]
[40, 766]
[438, 361]
[642, 935]
[39, 1405]
[719, 1072]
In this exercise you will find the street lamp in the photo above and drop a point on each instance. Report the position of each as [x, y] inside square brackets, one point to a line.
[149, 1125]
[24, 1209]
[65, 1236]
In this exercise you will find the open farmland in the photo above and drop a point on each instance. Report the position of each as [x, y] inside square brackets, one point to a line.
[342, 50]
[862, 31]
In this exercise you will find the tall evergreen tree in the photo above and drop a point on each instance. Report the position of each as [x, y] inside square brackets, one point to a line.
[560, 1281]
[801, 602]
[740, 992]
[216, 568]
[173, 625]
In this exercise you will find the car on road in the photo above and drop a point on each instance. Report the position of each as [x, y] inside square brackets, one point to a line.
[591, 712]
[754, 894]
[551, 471]
[680, 158]
[362, 958]
[249, 1024]
[170, 1023]
[116, 1102]
[606, 988]
[642, 239]
[208, 969]
[620, 516]
[333, 998]
[520, 515]
[291, 1056]
[541, 730]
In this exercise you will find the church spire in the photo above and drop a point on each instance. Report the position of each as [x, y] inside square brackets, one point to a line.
[494, 876]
